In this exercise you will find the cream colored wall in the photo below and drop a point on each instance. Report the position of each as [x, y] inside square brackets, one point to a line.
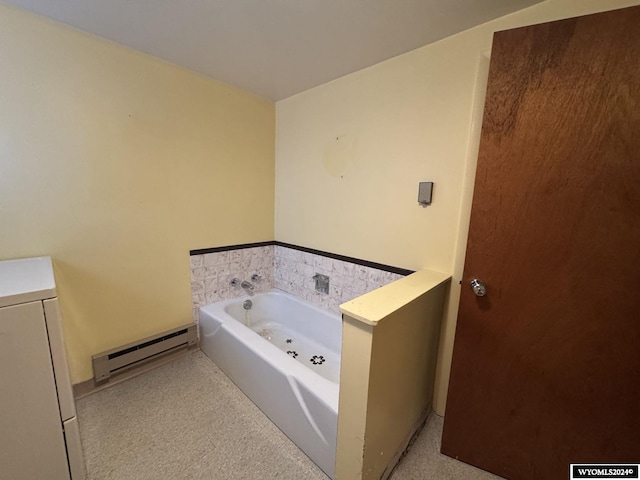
[354, 397]
[350, 154]
[116, 165]
[389, 348]
[403, 363]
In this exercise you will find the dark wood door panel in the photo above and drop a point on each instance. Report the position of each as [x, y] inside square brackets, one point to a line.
[546, 367]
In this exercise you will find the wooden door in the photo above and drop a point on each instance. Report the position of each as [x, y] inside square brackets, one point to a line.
[546, 366]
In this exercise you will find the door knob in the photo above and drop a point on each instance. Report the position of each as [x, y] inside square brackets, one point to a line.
[478, 287]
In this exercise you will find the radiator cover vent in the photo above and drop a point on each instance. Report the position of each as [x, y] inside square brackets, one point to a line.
[137, 353]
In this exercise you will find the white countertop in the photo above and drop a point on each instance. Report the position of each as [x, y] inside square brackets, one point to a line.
[26, 280]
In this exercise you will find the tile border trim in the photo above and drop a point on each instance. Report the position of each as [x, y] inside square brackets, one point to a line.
[203, 251]
[335, 256]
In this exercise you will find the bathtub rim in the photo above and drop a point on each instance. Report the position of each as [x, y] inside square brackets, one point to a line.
[326, 390]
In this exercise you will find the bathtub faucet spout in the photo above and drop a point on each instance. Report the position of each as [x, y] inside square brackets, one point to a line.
[248, 287]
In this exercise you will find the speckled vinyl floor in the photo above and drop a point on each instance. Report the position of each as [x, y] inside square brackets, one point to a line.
[186, 421]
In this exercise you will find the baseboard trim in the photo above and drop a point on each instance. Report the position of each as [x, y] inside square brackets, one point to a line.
[406, 446]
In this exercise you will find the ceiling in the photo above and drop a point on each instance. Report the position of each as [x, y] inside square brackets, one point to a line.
[273, 48]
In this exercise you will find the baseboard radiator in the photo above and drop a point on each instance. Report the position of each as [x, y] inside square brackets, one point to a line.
[123, 358]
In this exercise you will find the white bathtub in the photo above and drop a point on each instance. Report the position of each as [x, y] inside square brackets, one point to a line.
[284, 354]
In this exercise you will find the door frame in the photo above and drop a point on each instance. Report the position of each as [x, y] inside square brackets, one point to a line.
[450, 315]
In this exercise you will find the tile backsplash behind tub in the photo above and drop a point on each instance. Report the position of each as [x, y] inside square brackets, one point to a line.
[211, 274]
[288, 269]
[294, 271]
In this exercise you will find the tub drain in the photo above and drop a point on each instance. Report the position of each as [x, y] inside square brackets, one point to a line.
[247, 304]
